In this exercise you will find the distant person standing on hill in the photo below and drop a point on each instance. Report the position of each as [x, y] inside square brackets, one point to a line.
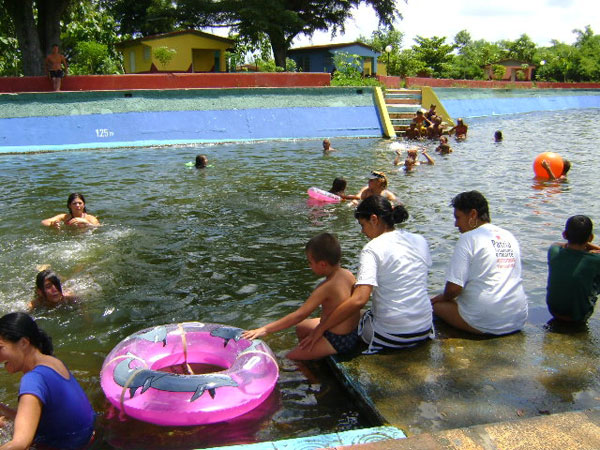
[55, 62]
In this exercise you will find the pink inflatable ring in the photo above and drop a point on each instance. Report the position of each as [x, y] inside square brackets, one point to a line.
[323, 196]
[132, 380]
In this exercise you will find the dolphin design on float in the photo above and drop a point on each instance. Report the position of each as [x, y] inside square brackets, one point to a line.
[156, 334]
[163, 381]
[227, 333]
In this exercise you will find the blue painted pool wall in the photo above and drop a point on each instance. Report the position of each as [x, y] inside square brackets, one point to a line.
[489, 102]
[330, 113]
[172, 127]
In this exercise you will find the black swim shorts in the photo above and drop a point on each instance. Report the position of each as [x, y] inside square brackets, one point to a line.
[342, 343]
[56, 74]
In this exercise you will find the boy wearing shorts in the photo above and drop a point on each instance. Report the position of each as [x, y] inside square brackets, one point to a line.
[324, 254]
[574, 272]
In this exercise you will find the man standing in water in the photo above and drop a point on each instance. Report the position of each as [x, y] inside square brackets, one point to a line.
[54, 67]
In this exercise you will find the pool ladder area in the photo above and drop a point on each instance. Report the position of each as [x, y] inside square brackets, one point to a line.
[402, 105]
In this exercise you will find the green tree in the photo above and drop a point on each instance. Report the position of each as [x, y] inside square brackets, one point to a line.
[434, 53]
[523, 49]
[89, 23]
[37, 27]
[164, 55]
[472, 58]
[588, 54]
[382, 38]
[280, 20]
[348, 71]
[10, 61]
[143, 17]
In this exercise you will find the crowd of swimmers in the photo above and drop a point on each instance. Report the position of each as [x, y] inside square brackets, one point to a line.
[483, 295]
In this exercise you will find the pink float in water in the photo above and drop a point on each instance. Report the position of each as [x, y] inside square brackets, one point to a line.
[132, 381]
[323, 196]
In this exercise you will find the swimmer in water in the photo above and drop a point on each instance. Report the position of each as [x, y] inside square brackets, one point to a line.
[377, 185]
[412, 159]
[563, 175]
[77, 215]
[327, 146]
[498, 136]
[48, 291]
[444, 148]
[339, 187]
[201, 161]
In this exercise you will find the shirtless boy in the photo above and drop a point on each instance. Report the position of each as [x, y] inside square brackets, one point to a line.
[323, 253]
[55, 62]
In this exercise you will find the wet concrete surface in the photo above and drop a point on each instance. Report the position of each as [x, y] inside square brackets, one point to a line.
[458, 380]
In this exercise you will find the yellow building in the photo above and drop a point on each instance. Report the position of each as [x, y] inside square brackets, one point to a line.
[195, 51]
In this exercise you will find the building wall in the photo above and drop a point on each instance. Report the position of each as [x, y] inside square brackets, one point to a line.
[183, 44]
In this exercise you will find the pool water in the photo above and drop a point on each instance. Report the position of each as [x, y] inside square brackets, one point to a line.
[226, 245]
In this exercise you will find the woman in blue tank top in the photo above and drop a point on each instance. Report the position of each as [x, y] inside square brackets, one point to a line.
[53, 410]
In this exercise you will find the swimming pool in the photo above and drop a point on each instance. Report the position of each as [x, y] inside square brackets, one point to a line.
[226, 244]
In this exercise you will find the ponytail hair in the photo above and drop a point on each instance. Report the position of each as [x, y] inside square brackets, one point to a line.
[382, 208]
[17, 325]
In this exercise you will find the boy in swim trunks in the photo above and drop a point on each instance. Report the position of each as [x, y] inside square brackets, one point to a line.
[324, 254]
[54, 67]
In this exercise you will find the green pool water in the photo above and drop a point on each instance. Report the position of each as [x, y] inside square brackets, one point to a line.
[225, 245]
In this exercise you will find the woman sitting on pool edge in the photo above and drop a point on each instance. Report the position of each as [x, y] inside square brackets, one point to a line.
[49, 292]
[484, 289]
[77, 215]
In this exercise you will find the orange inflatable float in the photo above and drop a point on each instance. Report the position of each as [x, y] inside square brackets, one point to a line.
[555, 161]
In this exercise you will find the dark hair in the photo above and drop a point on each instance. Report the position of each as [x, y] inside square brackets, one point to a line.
[17, 325]
[498, 135]
[324, 247]
[566, 166]
[73, 196]
[578, 229]
[339, 185]
[382, 208]
[50, 276]
[201, 161]
[466, 201]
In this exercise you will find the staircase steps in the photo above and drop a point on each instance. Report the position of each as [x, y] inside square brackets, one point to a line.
[402, 104]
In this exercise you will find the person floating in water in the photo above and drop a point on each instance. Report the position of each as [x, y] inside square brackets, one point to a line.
[49, 292]
[574, 272]
[563, 174]
[498, 136]
[338, 187]
[56, 67]
[77, 215]
[324, 254]
[327, 146]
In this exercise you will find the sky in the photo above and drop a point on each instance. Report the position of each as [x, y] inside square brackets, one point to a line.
[541, 20]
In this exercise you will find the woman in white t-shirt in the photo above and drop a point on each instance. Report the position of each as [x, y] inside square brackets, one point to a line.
[393, 272]
[484, 291]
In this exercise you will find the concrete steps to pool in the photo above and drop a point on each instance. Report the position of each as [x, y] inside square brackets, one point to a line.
[402, 105]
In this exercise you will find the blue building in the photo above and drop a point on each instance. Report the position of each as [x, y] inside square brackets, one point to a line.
[319, 58]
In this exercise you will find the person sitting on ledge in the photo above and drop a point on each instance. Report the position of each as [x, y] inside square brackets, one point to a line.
[574, 272]
[484, 290]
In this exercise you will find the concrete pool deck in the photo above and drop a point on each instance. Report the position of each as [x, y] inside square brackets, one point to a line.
[458, 381]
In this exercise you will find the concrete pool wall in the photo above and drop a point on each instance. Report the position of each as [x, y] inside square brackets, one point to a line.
[469, 102]
[31, 122]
